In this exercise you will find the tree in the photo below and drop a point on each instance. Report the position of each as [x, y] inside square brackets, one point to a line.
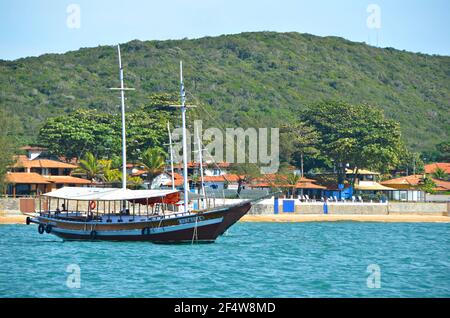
[89, 167]
[79, 132]
[441, 153]
[89, 130]
[298, 140]
[134, 182]
[427, 185]
[440, 174]
[355, 135]
[246, 172]
[8, 144]
[109, 174]
[292, 180]
[409, 163]
[153, 163]
[444, 151]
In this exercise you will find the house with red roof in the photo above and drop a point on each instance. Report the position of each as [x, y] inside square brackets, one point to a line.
[224, 181]
[31, 174]
[408, 188]
[303, 186]
[164, 180]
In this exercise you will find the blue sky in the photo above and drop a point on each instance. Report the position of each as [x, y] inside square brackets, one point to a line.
[34, 27]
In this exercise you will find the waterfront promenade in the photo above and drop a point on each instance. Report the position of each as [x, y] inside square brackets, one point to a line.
[264, 211]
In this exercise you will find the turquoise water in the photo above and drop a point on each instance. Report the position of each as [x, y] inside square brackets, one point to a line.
[252, 260]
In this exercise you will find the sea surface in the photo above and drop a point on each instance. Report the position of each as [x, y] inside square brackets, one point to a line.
[343, 259]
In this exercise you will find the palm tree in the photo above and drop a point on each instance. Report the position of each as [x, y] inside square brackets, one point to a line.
[153, 163]
[134, 182]
[109, 174]
[440, 174]
[89, 166]
[292, 179]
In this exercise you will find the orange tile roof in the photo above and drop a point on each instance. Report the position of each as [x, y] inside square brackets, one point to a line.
[281, 181]
[178, 183]
[223, 164]
[178, 178]
[413, 180]
[193, 164]
[67, 180]
[431, 168]
[299, 185]
[223, 178]
[23, 161]
[441, 185]
[176, 175]
[416, 180]
[308, 185]
[25, 178]
[273, 177]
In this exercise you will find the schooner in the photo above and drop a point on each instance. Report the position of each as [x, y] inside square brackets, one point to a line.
[121, 214]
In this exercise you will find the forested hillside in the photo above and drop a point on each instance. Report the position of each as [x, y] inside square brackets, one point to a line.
[249, 79]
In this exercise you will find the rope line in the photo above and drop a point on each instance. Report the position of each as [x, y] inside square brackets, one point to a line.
[197, 101]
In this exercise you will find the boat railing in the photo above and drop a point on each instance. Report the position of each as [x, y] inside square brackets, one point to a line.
[81, 215]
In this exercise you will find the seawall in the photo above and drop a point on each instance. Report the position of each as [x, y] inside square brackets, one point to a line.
[267, 207]
[12, 207]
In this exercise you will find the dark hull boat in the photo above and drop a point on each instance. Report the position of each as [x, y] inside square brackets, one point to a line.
[192, 227]
[101, 220]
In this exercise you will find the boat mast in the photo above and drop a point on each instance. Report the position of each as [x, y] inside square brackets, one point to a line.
[124, 144]
[200, 157]
[122, 90]
[183, 117]
[171, 156]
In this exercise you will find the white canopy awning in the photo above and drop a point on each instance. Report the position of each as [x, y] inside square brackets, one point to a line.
[106, 194]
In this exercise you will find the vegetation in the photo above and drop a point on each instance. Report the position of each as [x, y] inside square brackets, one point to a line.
[8, 144]
[409, 163]
[441, 153]
[104, 170]
[76, 133]
[440, 174]
[292, 180]
[89, 167]
[355, 136]
[297, 141]
[110, 175]
[248, 80]
[153, 163]
[427, 185]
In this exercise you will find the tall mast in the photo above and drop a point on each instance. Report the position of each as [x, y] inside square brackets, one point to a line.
[200, 157]
[171, 156]
[183, 117]
[124, 144]
[122, 90]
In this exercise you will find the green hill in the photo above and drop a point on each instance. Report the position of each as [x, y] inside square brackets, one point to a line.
[249, 79]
